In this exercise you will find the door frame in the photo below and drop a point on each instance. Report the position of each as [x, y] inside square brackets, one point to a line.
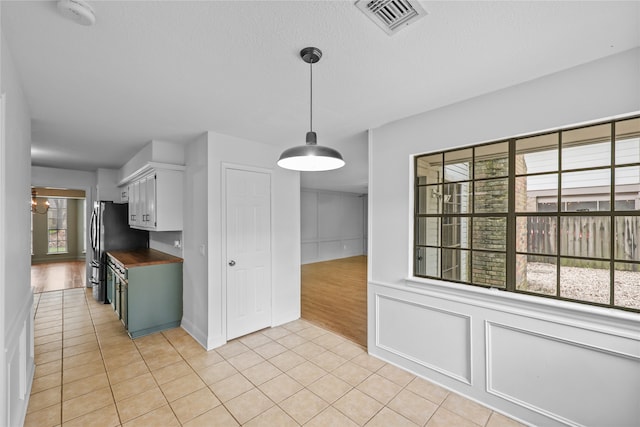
[4, 410]
[224, 167]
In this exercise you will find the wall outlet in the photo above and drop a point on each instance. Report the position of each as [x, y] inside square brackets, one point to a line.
[177, 244]
[202, 249]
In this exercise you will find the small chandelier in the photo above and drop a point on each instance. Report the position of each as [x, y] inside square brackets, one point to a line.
[34, 203]
[311, 157]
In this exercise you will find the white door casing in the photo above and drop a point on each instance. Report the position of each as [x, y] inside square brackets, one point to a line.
[248, 250]
[4, 412]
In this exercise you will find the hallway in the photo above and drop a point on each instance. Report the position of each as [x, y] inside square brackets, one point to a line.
[334, 296]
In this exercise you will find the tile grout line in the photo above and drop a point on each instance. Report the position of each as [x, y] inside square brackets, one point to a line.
[39, 299]
[86, 305]
[305, 387]
[95, 331]
[61, 343]
[209, 386]
[155, 380]
[62, 361]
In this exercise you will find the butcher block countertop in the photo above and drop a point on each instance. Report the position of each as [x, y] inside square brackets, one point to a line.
[143, 257]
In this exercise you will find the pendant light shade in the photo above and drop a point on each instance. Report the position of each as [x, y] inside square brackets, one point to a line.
[311, 157]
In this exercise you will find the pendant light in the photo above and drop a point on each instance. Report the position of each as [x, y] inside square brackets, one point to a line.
[311, 157]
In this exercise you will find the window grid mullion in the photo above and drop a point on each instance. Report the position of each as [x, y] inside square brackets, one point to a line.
[612, 208]
[472, 242]
[576, 234]
[511, 257]
[559, 224]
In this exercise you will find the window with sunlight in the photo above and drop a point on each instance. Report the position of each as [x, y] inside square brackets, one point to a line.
[57, 226]
[554, 215]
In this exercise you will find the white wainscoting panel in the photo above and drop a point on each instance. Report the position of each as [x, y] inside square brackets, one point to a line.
[565, 379]
[542, 362]
[19, 363]
[308, 215]
[329, 249]
[435, 338]
[352, 247]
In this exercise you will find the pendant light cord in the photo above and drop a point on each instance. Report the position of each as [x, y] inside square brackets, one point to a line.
[311, 96]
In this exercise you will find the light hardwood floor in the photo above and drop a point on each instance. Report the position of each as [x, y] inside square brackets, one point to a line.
[56, 276]
[334, 296]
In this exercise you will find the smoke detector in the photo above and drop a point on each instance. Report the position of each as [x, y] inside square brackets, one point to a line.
[392, 15]
[77, 10]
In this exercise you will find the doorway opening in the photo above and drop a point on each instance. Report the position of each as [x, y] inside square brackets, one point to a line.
[334, 229]
[58, 239]
[334, 296]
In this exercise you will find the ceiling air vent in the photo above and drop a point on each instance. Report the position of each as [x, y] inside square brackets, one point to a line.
[392, 15]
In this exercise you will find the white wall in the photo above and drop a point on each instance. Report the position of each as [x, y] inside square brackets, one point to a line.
[332, 225]
[195, 275]
[83, 226]
[65, 178]
[164, 241]
[16, 298]
[154, 151]
[107, 185]
[285, 241]
[542, 361]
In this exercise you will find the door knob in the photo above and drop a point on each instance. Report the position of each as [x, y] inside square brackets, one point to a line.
[232, 263]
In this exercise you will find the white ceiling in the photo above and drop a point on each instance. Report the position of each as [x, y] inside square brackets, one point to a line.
[171, 70]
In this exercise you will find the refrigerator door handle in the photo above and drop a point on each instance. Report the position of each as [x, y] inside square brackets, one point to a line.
[94, 229]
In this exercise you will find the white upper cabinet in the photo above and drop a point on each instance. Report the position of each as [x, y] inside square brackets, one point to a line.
[155, 200]
[152, 182]
[149, 216]
[134, 203]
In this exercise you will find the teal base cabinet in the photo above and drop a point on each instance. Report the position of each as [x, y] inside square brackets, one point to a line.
[152, 300]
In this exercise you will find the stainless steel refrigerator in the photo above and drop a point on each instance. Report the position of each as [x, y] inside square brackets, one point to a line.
[110, 231]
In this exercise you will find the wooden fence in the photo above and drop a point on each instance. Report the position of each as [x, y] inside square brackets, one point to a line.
[584, 236]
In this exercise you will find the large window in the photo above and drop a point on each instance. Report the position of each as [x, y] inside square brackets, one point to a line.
[57, 226]
[554, 214]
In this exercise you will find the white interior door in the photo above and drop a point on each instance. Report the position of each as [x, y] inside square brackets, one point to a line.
[248, 251]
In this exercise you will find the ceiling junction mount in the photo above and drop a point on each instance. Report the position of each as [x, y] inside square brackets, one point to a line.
[78, 11]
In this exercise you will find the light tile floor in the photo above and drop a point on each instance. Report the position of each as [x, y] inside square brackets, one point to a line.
[88, 372]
